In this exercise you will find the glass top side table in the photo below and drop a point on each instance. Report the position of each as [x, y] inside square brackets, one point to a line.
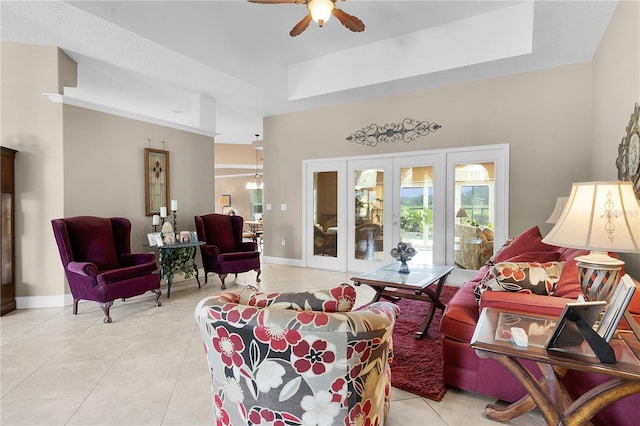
[177, 257]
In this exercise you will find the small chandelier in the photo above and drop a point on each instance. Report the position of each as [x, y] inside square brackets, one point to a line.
[256, 182]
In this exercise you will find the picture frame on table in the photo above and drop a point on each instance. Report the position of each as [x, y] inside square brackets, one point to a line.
[158, 238]
[567, 332]
[616, 308]
[537, 329]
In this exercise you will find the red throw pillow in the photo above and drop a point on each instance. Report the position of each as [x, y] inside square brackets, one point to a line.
[569, 284]
[536, 256]
[529, 241]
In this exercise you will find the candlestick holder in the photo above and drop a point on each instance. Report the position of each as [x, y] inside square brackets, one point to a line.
[155, 221]
[175, 220]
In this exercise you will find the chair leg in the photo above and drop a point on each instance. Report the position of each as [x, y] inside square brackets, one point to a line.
[158, 294]
[205, 277]
[105, 308]
[258, 277]
[75, 306]
[222, 278]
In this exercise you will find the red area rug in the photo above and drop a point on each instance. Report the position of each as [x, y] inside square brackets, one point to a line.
[417, 363]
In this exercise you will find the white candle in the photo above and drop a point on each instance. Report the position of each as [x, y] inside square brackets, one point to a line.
[156, 220]
[163, 212]
[174, 205]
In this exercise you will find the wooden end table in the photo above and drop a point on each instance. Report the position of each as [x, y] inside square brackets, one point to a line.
[419, 278]
[548, 393]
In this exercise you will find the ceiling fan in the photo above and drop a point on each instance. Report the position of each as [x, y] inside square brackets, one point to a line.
[320, 11]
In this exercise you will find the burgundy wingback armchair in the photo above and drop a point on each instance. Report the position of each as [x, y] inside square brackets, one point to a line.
[224, 252]
[97, 260]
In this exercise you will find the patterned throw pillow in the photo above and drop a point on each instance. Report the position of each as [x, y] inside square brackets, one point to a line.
[526, 277]
[506, 244]
[337, 299]
[529, 241]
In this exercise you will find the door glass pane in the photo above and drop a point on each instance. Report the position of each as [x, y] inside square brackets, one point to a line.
[7, 237]
[325, 214]
[474, 214]
[416, 211]
[256, 204]
[369, 214]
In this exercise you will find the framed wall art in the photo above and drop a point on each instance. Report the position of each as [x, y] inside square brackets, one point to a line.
[225, 200]
[628, 161]
[156, 180]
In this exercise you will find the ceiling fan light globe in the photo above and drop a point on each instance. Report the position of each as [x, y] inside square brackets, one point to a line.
[320, 10]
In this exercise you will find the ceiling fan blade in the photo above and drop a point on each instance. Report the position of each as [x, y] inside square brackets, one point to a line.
[349, 21]
[301, 26]
[274, 1]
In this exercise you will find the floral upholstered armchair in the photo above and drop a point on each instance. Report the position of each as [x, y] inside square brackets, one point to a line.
[297, 358]
[474, 246]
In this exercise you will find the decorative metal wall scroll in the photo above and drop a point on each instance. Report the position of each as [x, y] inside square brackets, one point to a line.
[628, 161]
[407, 131]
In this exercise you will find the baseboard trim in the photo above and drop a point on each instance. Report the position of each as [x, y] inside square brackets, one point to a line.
[283, 261]
[31, 302]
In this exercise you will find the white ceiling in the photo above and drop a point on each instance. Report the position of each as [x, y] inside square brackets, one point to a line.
[221, 66]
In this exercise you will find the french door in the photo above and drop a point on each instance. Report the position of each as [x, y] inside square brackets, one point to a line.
[419, 205]
[369, 218]
[358, 209]
[325, 215]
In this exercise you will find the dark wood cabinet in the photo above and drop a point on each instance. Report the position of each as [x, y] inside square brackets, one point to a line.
[7, 229]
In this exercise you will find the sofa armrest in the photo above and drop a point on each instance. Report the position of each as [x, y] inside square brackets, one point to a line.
[248, 246]
[387, 309]
[86, 269]
[211, 250]
[374, 317]
[522, 302]
[120, 274]
[133, 259]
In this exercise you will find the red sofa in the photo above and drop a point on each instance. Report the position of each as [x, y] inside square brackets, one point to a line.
[463, 369]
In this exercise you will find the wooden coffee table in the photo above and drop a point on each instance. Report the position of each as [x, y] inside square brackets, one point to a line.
[420, 277]
[548, 394]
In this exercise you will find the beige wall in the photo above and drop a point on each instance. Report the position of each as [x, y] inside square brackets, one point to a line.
[228, 180]
[228, 153]
[32, 124]
[616, 89]
[562, 124]
[104, 169]
[74, 161]
[540, 114]
[240, 196]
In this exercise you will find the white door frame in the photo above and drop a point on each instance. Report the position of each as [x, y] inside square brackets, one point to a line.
[338, 263]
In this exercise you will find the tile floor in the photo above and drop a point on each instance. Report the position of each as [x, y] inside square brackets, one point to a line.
[148, 366]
